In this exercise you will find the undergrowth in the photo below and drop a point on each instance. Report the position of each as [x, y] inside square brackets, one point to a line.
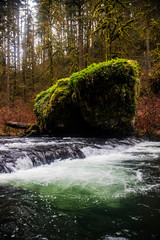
[148, 115]
[20, 112]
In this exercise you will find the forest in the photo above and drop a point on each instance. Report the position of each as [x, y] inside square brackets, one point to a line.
[42, 41]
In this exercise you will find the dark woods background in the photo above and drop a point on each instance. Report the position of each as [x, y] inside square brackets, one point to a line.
[42, 41]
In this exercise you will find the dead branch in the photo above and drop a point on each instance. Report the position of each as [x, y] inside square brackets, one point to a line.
[17, 125]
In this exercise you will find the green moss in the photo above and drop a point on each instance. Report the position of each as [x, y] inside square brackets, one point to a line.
[43, 102]
[59, 103]
[119, 70]
[42, 99]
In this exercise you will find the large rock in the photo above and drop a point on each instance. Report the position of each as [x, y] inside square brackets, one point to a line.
[100, 99]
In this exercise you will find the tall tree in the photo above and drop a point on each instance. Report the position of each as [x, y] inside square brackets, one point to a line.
[9, 21]
[148, 17]
[112, 22]
[49, 18]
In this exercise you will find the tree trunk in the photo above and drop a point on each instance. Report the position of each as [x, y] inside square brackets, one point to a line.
[15, 68]
[88, 28]
[80, 40]
[8, 51]
[3, 60]
[33, 60]
[148, 51]
[18, 42]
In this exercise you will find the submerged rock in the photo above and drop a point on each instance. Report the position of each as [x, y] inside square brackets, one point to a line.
[100, 99]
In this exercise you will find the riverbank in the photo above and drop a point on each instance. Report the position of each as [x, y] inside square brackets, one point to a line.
[148, 118]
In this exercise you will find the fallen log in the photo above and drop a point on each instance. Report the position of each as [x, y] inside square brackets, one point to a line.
[17, 125]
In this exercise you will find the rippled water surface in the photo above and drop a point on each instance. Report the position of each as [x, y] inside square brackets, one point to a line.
[79, 189]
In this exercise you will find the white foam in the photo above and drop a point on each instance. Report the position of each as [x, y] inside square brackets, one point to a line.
[146, 147]
[105, 171]
[95, 174]
[23, 163]
[3, 148]
[139, 175]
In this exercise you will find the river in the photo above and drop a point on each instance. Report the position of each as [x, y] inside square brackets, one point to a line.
[79, 188]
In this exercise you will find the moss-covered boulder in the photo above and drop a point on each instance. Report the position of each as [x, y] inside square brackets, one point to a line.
[100, 99]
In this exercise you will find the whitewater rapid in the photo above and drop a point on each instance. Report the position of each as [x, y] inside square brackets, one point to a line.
[108, 169]
[79, 189]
